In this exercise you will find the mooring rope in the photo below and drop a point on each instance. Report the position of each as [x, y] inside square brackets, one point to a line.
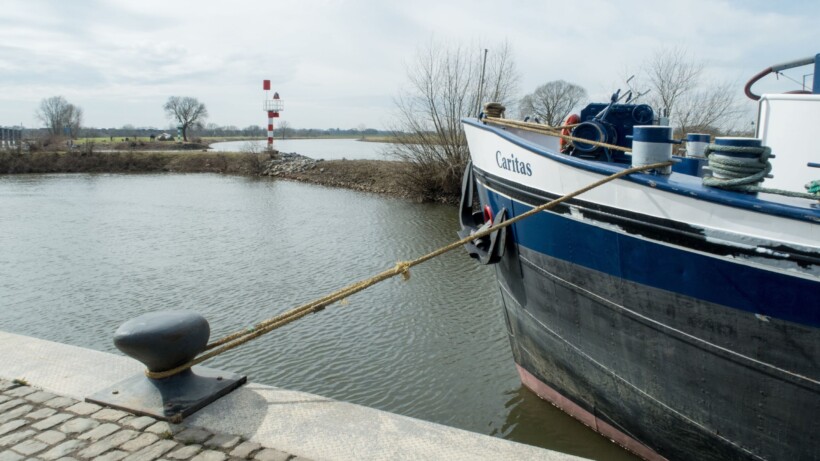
[553, 131]
[402, 268]
[744, 173]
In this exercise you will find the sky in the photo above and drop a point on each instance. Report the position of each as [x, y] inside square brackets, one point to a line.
[341, 64]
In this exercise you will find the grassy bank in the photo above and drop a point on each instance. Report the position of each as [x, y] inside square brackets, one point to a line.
[130, 161]
[138, 144]
[376, 176]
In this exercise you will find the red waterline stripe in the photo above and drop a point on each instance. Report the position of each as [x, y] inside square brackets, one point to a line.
[571, 408]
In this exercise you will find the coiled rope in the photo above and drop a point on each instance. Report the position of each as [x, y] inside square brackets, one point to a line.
[402, 268]
[743, 174]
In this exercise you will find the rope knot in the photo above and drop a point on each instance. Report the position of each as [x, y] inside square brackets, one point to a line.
[403, 268]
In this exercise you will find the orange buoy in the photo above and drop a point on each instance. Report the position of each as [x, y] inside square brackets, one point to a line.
[572, 119]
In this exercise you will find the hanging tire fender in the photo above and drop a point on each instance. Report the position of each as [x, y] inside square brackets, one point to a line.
[490, 248]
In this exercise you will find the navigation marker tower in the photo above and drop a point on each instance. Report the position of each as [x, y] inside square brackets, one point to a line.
[272, 106]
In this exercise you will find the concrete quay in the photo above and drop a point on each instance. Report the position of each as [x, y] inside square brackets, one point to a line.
[43, 417]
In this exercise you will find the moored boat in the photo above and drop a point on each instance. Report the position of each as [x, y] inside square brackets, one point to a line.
[677, 311]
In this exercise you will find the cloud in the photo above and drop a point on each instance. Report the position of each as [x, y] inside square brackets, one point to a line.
[338, 63]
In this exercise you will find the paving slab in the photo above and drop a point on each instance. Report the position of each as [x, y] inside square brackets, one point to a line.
[16, 437]
[103, 430]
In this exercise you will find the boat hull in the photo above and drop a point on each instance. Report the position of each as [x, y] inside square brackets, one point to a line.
[664, 374]
[680, 322]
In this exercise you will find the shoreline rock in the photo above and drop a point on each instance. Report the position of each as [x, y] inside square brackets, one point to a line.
[289, 163]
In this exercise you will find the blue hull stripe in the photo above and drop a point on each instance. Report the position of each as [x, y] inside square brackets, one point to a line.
[676, 270]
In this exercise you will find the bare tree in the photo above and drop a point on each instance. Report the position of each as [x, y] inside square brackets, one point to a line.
[284, 126]
[74, 118]
[256, 155]
[671, 73]
[187, 111]
[59, 116]
[679, 91]
[443, 88]
[552, 101]
[501, 80]
[711, 110]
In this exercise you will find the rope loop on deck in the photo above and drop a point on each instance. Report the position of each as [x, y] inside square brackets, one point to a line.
[743, 174]
[737, 171]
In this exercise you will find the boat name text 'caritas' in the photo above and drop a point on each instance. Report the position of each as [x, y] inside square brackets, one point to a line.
[513, 164]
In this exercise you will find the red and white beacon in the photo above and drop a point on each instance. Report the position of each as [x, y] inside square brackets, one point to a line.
[272, 106]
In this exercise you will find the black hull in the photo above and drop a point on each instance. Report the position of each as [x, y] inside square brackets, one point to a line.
[677, 377]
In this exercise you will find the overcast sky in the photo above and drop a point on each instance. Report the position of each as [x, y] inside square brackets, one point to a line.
[339, 64]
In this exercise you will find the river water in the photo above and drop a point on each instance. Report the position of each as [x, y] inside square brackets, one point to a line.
[83, 253]
[327, 149]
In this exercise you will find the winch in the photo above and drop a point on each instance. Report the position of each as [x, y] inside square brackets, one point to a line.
[609, 123]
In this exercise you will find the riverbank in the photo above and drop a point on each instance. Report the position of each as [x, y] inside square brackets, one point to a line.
[374, 176]
[129, 162]
[145, 143]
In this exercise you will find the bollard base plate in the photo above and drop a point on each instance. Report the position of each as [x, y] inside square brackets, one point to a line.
[169, 399]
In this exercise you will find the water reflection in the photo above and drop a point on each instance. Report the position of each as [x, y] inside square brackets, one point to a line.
[530, 419]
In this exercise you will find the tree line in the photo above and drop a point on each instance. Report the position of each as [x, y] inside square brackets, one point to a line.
[213, 130]
[674, 84]
[63, 119]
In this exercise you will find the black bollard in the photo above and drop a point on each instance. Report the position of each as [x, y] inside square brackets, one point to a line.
[163, 341]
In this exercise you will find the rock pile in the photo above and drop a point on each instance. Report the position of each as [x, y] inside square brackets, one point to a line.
[288, 164]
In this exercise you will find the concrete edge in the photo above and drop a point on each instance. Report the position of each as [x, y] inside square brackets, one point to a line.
[295, 422]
